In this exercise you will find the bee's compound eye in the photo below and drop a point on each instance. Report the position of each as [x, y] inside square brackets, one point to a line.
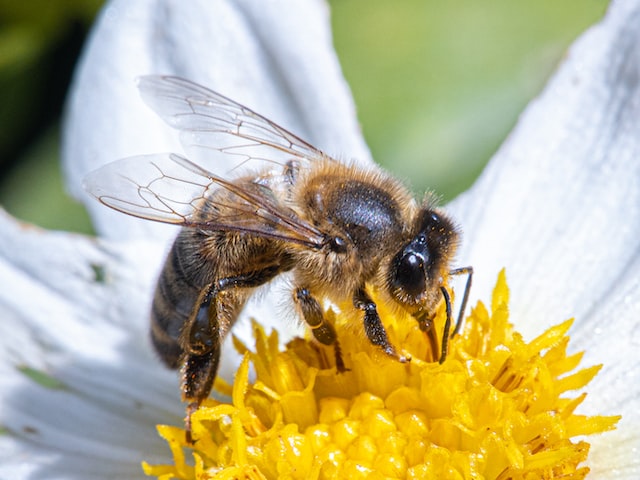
[412, 263]
[410, 274]
[338, 245]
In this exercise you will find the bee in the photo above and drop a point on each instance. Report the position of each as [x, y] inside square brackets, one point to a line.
[336, 227]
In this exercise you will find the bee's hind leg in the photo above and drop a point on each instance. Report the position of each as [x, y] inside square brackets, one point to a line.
[211, 319]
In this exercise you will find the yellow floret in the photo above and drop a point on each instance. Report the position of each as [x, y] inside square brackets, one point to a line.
[493, 410]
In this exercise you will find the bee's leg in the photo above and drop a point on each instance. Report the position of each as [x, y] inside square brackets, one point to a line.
[198, 336]
[322, 330]
[425, 322]
[198, 374]
[201, 341]
[373, 325]
[251, 279]
[210, 321]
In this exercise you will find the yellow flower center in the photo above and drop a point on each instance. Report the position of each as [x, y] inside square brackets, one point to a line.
[495, 409]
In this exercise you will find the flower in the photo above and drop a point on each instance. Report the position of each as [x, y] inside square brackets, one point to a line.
[496, 408]
[80, 389]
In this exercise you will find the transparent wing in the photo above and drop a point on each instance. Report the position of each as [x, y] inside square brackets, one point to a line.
[169, 188]
[217, 124]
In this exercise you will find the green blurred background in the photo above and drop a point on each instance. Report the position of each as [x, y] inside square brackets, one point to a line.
[438, 85]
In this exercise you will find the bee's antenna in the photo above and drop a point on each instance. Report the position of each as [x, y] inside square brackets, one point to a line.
[465, 297]
[463, 307]
[447, 325]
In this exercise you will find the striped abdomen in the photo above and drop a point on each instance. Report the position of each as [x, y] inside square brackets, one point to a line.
[183, 277]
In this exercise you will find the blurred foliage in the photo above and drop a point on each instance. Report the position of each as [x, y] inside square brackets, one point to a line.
[39, 44]
[36, 54]
[438, 85]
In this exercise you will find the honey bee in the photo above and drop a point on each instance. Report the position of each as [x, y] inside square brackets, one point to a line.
[336, 227]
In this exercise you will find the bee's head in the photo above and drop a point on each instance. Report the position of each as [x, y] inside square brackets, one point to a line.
[422, 263]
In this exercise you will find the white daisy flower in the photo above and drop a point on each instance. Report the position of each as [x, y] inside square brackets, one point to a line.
[558, 206]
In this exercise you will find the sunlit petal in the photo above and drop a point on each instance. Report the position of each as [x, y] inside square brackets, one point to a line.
[283, 66]
[80, 387]
[559, 205]
[75, 377]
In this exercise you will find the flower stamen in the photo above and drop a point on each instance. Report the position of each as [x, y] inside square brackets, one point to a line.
[493, 409]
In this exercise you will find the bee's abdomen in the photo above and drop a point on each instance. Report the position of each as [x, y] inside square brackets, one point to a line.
[182, 279]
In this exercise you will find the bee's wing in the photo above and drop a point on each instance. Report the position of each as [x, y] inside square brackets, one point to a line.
[217, 124]
[169, 188]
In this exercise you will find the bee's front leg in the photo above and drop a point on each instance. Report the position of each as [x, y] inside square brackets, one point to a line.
[373, 327]
[425, 322]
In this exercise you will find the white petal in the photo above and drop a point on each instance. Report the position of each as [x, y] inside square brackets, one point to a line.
[280, 64]
[91, 335]
[559, 207]
[88, 332]
[58, 318]
[610, 335]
